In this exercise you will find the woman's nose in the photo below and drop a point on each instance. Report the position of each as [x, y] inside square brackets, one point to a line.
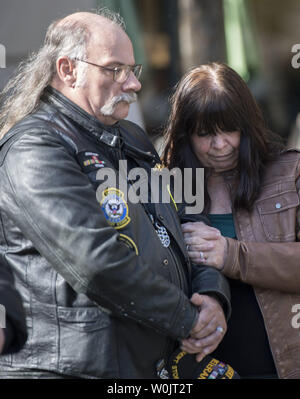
[219, 141]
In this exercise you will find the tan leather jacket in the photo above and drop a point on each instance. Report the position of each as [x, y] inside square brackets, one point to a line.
[267, 256]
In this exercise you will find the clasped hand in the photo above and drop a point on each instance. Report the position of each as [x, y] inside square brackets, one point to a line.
[205, 244]
[205, 336]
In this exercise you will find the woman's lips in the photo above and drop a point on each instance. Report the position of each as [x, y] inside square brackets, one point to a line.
[220, 158]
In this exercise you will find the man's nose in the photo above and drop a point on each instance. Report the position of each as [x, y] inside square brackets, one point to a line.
[132, 83]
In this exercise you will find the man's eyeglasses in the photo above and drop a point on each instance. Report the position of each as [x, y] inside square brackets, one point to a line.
[121, 73]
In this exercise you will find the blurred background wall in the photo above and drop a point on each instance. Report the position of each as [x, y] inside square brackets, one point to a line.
[255, 37]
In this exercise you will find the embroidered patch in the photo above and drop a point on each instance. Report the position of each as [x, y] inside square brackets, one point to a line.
[115, 208]
[129, 241]
[90, 161]
[218, 371]
[93, 160]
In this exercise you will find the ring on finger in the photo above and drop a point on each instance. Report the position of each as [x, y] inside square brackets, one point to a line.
[220, 329]
[202, 257]
[187, 247]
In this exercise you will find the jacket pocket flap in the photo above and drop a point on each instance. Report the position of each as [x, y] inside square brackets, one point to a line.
[278, 203]
[83, 318]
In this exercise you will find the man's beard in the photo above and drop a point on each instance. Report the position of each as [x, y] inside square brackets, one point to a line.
[109, 108]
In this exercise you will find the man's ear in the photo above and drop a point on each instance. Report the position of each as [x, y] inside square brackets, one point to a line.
[66, 71]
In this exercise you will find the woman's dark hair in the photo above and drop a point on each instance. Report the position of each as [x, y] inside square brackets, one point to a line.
[212, 98]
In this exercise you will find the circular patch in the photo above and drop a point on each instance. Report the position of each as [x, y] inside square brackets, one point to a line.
[115, 208]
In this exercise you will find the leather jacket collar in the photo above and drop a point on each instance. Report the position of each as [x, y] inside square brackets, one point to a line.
[93, 126]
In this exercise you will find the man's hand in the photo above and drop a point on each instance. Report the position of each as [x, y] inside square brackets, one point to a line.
[2, 339]
[205, 244]
[205, 337]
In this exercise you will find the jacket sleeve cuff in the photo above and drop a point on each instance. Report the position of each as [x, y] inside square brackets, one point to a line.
[186, 320]
[209, 281]
[230, 268]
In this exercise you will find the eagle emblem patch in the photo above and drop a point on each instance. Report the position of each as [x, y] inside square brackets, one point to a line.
[115, 208]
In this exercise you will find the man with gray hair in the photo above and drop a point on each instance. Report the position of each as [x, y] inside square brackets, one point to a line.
[106, 284]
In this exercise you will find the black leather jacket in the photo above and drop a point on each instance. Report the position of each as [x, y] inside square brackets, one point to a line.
[102, 300]
[13, 314]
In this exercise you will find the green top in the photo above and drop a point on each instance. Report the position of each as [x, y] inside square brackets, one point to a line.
[245, 346]
[224, 223]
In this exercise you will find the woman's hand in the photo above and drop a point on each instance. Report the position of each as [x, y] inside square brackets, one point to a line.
[205, 244]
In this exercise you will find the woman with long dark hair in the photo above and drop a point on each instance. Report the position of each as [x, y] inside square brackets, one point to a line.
[252, 200]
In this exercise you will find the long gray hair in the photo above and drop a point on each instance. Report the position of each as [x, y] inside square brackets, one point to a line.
[22, 93]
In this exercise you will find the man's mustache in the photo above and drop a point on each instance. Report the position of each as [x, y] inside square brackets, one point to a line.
[109, 107]
[127, 97]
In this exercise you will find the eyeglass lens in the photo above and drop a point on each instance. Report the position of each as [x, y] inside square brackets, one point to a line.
[122, 74]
